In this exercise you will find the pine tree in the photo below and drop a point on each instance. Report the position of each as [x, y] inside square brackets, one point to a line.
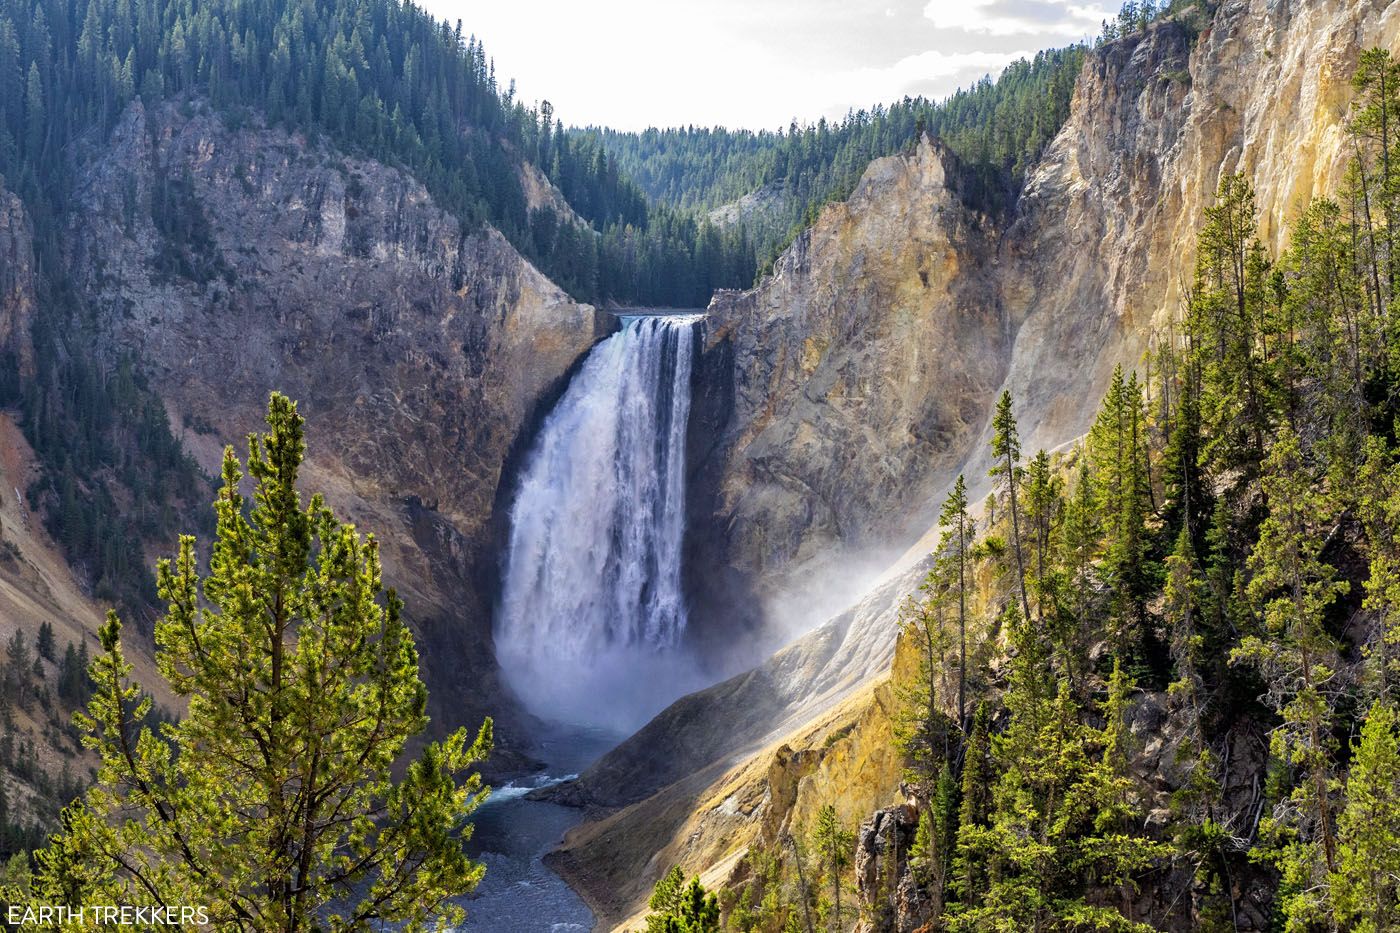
[1187, 495]
[1062, 819]
[45, 643]
[273, 799]
[1366, 883]
[1227, 324]
[1108, 450]
[955, 544]
[1006, 456]
[1118, 449]
[72, 677]
[1375, 126]
[974, 807]
[922, 732]
[1181, 607]
[833, 844]
[1292, 586]
[1080, 544]
[1220, 605]
[1378, 506]
[677, 907]
[35, 114]
[18, 669]
[1044, 498]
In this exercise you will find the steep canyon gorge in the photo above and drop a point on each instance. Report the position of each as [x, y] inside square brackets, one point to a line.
[828, 408]
[876, 351]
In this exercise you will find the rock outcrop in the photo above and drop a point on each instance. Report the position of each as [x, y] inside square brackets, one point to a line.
[17, 292]
[840, 391]
[839, 398]
[231, 261]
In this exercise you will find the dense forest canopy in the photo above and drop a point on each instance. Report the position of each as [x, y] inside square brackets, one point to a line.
[384, 79]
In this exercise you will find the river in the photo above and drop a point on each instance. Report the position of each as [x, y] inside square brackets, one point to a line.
[512, 835]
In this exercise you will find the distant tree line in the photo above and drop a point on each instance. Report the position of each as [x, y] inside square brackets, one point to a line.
[36, 679]
[383, 79]
[996, 130]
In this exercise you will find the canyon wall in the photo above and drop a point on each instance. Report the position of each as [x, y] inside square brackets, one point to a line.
[234, 260]
[841, 397]
[17, 299]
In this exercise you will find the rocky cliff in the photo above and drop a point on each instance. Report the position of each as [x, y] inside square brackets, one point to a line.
[837, 393]
[841, 396]
[233, 260]
[36, 585]
[16, 280]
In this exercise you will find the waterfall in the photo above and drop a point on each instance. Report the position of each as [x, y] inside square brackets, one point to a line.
[591, 610]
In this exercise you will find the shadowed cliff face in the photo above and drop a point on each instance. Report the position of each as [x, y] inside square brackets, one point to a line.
[840, 398]
[16, 281]
[237, 261]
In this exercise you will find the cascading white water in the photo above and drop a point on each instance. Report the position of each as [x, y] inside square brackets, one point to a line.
[591, 609]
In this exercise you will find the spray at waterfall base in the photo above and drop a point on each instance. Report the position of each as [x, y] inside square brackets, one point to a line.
[591, 620]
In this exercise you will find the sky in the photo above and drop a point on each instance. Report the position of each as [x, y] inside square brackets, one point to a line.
[754, 64]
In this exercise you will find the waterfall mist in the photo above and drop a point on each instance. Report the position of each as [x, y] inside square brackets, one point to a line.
[591, 616]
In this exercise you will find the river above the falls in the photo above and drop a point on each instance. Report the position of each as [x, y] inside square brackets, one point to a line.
[519, 894]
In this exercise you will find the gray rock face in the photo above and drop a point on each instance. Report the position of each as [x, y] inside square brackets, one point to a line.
[235, 261]
[16, 280]
[889, 900]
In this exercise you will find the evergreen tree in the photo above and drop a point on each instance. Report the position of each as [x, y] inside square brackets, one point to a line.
[1006, 457]
[1378, 506]
[1187, 495]
[677, 907]
[1181, 607]
[1366, 883]
[1080, 545]
[1062, 819]
[922, 731]
[45, 643]
[1229, 328]
[833, 844]
[1118, 449]
[1292, 586]
[974, 807]
[73, 681]
[272, 802]
[957, 540]
[1375, 127]
[1044, 496]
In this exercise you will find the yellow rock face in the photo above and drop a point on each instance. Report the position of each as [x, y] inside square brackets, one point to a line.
[863, 371]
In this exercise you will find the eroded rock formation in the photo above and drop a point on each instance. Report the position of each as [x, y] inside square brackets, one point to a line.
[231, 261]
[844, 393]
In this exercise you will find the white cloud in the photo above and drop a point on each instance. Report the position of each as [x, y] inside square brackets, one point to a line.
[1058, 18]
[932, 74]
